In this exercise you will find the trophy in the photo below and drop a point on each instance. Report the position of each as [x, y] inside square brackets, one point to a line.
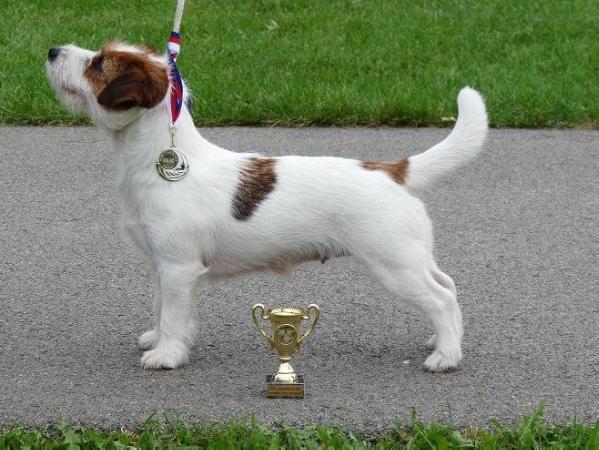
[286, 338]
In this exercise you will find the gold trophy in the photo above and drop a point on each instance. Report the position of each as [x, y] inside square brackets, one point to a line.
[286, 338]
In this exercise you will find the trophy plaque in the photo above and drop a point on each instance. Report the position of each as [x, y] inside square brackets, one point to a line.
[286, 338]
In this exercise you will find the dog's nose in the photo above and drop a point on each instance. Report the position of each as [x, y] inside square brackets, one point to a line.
[53, 53]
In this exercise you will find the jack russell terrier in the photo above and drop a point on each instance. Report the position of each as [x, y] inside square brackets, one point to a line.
[232, 213]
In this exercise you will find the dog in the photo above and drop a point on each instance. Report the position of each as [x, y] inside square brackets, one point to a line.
[235, 213]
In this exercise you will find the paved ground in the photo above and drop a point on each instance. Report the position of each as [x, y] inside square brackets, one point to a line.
[517, 230]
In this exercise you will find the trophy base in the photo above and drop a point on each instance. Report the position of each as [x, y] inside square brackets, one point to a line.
[284, 390]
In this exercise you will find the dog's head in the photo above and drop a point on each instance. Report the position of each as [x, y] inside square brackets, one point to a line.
[112, 86]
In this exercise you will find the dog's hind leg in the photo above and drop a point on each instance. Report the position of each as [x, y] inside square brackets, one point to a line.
[177, 286]
[442, 278]
[445, 281]
[412, 280]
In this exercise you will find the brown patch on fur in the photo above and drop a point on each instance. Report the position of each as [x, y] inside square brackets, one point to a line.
[398, 170]
[256, 180]
[122, 80]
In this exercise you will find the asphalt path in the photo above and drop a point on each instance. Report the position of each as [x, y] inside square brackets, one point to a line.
[517, 230]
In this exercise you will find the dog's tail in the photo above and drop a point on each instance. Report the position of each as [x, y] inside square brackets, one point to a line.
[462, 145]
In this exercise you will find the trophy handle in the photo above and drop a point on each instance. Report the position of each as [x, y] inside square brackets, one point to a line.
[306, 316]
[264, 315]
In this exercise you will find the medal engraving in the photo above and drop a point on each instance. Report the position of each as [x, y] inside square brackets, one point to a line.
[172, 164]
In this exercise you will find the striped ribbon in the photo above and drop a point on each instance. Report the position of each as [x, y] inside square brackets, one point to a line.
[176, 103]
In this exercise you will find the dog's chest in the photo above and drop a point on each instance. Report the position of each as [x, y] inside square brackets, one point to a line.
[137, 191]
[134, 219]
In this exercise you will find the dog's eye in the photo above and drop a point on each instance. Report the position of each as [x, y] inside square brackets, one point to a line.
[96, 63]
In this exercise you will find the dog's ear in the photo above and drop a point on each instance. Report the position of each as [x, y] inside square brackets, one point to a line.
[142, 86]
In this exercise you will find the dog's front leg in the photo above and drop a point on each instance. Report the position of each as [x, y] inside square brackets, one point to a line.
[176, 285]
[149, 339]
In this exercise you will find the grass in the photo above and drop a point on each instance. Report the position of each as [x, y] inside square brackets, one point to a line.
[330, 62]
[530, 433]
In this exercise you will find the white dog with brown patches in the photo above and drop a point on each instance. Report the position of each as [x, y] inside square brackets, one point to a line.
[235, 213]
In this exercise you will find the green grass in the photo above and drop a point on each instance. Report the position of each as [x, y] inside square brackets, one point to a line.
[530, 433]
[330, 62]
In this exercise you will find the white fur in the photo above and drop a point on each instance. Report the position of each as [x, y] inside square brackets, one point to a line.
[462, 145]
[324, 205]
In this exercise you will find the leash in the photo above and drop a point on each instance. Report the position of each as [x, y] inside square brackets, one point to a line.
[172, 164]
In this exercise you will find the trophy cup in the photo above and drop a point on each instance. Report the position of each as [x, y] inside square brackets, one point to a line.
[285, 337]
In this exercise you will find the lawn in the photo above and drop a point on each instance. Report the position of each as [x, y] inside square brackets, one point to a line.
[530, 433]
[329, 62]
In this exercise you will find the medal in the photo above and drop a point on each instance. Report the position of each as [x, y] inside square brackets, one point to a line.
[172, 164]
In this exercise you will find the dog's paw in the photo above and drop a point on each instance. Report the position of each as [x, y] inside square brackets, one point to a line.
[148, 340]
[431, 344]
[166, 355]
[438, 362]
